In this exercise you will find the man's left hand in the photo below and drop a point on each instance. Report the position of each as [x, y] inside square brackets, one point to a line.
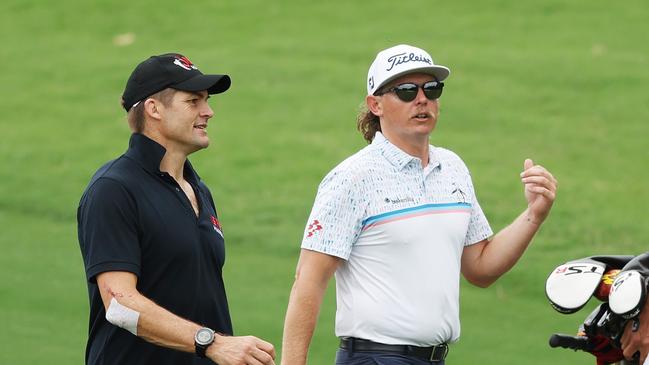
[540, 190]
[636, 338]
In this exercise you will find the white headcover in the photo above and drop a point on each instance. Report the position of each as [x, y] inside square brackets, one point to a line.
[627, 294]
[570, 286]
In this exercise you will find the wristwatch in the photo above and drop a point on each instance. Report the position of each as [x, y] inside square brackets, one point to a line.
[202, 340]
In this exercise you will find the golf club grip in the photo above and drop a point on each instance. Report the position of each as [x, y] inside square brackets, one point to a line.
[571, 342]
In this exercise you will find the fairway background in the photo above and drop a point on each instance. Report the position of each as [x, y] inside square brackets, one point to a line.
[562, 82]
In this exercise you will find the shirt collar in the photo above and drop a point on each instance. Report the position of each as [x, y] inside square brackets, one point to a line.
[149, 153]
[398, 157]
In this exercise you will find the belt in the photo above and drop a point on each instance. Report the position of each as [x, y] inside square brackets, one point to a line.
[432, 353]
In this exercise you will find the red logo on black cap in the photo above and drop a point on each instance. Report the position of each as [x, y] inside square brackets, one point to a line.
[184, 62]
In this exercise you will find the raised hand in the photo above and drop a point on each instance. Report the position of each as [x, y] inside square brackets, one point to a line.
[540, 190]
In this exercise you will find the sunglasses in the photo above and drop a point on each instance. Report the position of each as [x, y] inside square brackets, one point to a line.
[408, 92]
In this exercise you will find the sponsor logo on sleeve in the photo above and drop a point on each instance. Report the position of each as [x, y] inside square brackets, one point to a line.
[313, 228]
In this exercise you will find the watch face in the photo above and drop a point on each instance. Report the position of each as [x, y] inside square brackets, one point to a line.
[204, 336]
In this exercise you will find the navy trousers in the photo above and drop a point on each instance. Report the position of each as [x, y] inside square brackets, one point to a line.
[344, 357]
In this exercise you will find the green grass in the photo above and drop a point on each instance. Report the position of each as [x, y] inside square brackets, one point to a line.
[561, 82]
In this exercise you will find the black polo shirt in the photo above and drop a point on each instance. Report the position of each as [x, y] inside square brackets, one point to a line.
[134, 218]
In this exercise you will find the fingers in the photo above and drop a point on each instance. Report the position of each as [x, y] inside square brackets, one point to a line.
[260, 357]
[540, 185]
[264, 352]
[632, 344]
[635, 338]
[540, 190]
[539, 181]
[626, 335]
[266, 347]
[626, 342]
[537, 170]
[549, 194]
[628, 352]
[537, 175]
[259, 352]
[253, 361]
[247, 350]
[528, 164]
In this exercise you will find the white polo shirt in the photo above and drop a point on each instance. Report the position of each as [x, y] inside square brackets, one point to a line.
[401, 229]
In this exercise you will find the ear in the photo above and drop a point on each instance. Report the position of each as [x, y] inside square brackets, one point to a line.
[152, 109]
[374, 105]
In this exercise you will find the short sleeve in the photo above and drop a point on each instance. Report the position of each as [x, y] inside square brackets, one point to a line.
[335, 220]
[479, 228]
[107, 229]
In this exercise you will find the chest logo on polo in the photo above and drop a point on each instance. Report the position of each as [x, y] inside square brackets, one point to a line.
[216, 225]
[458, 193]
[313, 228]
[399, 200]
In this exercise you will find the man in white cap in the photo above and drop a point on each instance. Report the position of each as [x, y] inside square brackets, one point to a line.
[397, 223]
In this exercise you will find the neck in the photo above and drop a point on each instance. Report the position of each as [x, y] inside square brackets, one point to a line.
[416, 147]
[173, 163]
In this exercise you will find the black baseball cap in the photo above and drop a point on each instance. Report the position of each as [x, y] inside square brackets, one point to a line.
[169, 70]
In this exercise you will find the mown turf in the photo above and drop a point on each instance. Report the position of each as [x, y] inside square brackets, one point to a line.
[561, 82]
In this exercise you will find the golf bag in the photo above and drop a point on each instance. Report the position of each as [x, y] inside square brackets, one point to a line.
[620, 282]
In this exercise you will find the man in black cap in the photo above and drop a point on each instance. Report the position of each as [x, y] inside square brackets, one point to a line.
[150, 237]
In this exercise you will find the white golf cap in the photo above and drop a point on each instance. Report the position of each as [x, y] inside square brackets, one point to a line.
[401, 60]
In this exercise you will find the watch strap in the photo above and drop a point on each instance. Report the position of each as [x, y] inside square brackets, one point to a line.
[201, 350]
[200, 347]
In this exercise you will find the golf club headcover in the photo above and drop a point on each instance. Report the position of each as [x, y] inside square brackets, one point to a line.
[639, 263]
[570, 286]
[628, 294]
[565, 286]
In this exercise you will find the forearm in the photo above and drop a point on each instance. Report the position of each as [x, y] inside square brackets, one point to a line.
[508, 245]
[502, 252]
[484, 262]
[163, 328]
[154, 323]
[159, 326]
[301, 318]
